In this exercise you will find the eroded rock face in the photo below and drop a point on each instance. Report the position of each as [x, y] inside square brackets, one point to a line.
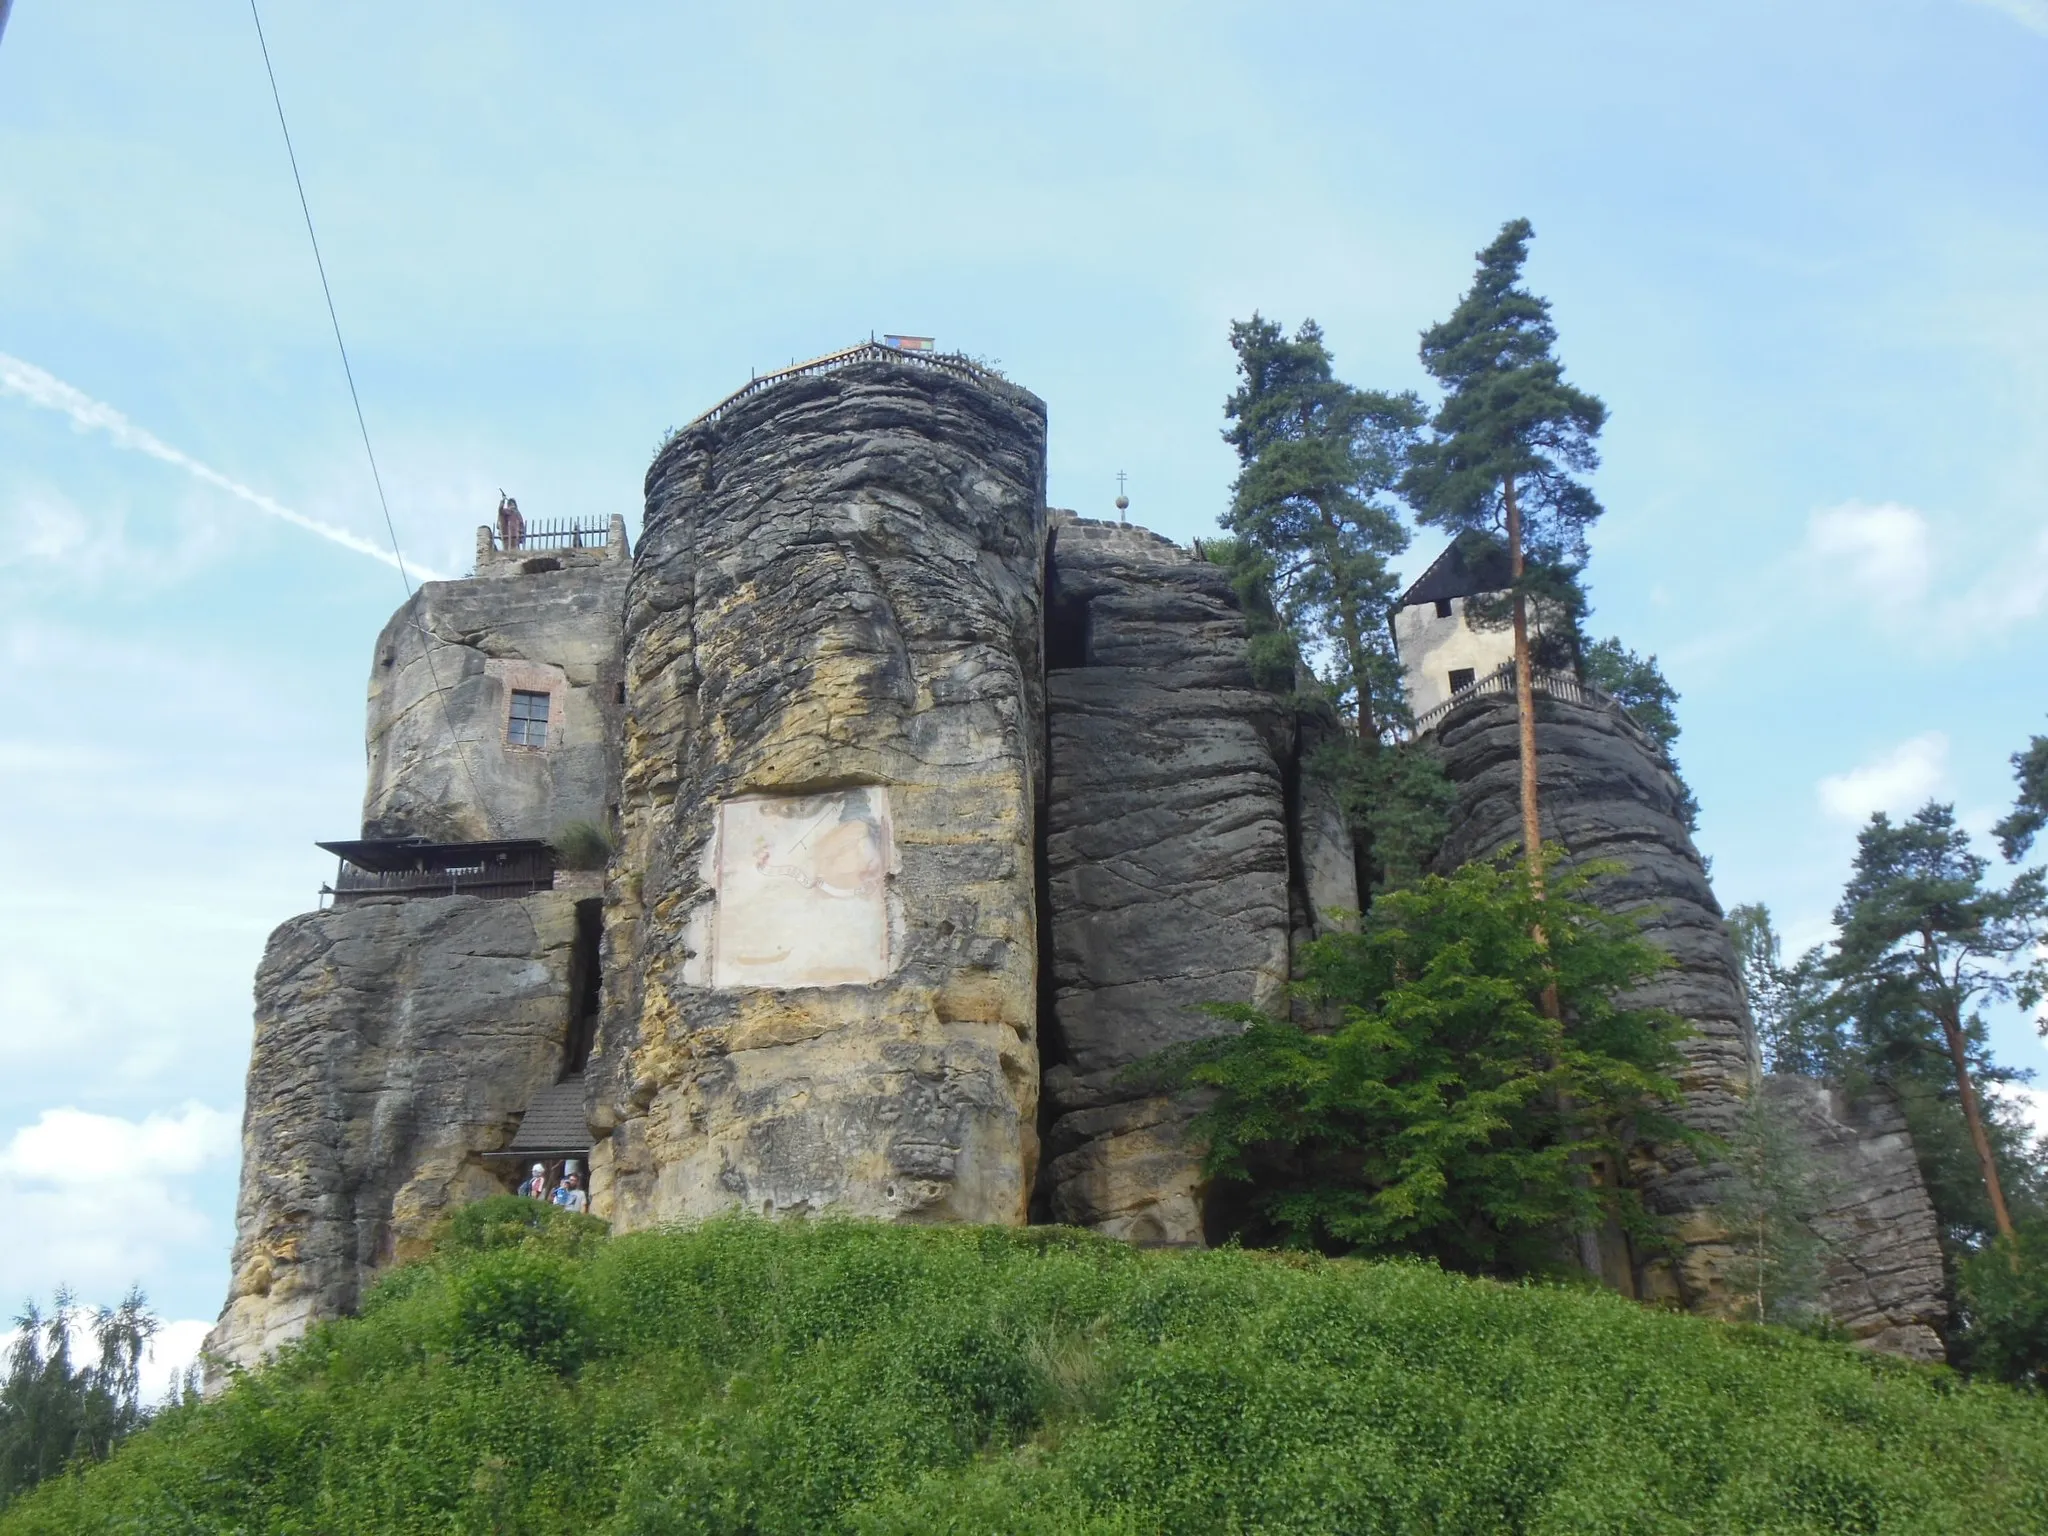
[1166, 862]
[821, 985]
[442, 764]
[397, 1040]
[1884, 1277]
[1606, 792]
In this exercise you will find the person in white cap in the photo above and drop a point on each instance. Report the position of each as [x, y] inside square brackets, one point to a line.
[536, 1185]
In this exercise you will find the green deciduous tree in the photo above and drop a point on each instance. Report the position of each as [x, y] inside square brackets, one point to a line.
[1508, 447]
[1318, 457]
[55, 1411]
[1449, 1114]
[1924, 939]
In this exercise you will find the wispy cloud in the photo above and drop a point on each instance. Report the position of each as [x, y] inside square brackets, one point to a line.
[1896, 782]
[2031, 14]
[1882, 550]
[25, 381]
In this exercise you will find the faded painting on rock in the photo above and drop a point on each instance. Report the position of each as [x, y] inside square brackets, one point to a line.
[802, 890]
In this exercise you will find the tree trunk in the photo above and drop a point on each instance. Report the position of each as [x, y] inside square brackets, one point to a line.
[1973, 1115]
[1525, 699]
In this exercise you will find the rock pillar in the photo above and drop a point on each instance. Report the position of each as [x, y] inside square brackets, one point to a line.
[1607, 792]
[1166, 863]
[821, 986]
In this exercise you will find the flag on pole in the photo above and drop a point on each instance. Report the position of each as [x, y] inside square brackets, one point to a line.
[908, 343]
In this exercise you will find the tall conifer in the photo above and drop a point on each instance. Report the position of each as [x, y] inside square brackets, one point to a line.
[1508, 443]
[1318, 457]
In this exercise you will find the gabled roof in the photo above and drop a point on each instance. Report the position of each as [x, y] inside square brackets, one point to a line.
[1469, 565]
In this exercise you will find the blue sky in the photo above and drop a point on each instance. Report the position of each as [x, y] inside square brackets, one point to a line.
[1798, 248]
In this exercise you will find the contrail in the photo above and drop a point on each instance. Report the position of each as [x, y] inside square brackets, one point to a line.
[37, 387]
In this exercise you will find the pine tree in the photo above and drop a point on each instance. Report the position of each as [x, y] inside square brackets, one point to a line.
[2030, 812]
[1318, 457]
[1508, 443]
[1923, 938]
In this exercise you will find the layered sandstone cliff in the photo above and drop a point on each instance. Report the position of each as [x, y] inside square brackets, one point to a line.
[1166, 863]
[397, 1042]
[821, 987]
[1607, 792]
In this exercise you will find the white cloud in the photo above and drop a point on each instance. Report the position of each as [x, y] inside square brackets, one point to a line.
[96, 1202]
[25, 381]
[2031, 14]
[1883, 549]
[1897, 782]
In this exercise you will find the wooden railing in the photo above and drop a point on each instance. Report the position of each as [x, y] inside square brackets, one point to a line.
[1501, 680]
[863, 352]
[561, 533]
[520, 875]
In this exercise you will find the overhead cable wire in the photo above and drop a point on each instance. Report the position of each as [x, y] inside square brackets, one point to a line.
[428, 638]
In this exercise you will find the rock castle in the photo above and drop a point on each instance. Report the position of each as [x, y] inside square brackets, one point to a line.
[838, 849]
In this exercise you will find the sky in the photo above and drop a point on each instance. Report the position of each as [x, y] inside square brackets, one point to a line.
[1798, 248]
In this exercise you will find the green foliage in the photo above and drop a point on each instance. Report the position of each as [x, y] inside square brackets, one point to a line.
[1509, 424]
[1771, 1200]
[1635, 683]
[513, 1221]
[1396, 799]
[1318, 457]
[521, 1302]
[840, 1377]
[1447, 1115]
[1800, 1026]
[2003, 1288]
[1271, 649]
[55, 1413]
[2016, 833]
[581, 845]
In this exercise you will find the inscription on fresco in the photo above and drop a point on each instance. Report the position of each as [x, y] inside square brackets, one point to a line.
[802, 890]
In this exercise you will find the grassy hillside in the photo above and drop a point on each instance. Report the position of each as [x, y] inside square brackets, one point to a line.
[835, 1377]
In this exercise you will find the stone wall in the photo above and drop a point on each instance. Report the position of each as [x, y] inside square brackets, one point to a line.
[1884, 1275]
[1607, 792]
[821, 986]
[441, 687]
[1166, 862]
[397, 1040]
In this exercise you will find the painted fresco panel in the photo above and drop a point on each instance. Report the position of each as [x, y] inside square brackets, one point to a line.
[802, 890]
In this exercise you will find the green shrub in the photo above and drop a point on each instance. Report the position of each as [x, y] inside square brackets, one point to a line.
[839, 1377]
[2004, 1291]
[515, 1300]
[581, 845]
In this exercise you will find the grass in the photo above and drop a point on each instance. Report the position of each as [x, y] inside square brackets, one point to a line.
[836, 1377]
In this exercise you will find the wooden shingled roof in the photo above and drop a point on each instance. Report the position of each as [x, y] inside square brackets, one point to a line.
[554, 1123]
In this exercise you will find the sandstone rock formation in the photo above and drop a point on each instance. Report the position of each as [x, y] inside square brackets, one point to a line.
[397, 1040]
[1166, 862]
[1607, 792]
[441, 765]
[822, 975]
[1884, 1276]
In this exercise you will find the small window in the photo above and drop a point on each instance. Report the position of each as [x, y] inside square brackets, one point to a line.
[1443, 607]
[1461, 677]
[529, 725]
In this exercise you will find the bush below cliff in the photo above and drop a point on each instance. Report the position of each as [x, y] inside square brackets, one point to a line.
[537, 1377]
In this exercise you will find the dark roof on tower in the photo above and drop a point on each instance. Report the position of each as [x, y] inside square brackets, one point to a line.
[1467, 566]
